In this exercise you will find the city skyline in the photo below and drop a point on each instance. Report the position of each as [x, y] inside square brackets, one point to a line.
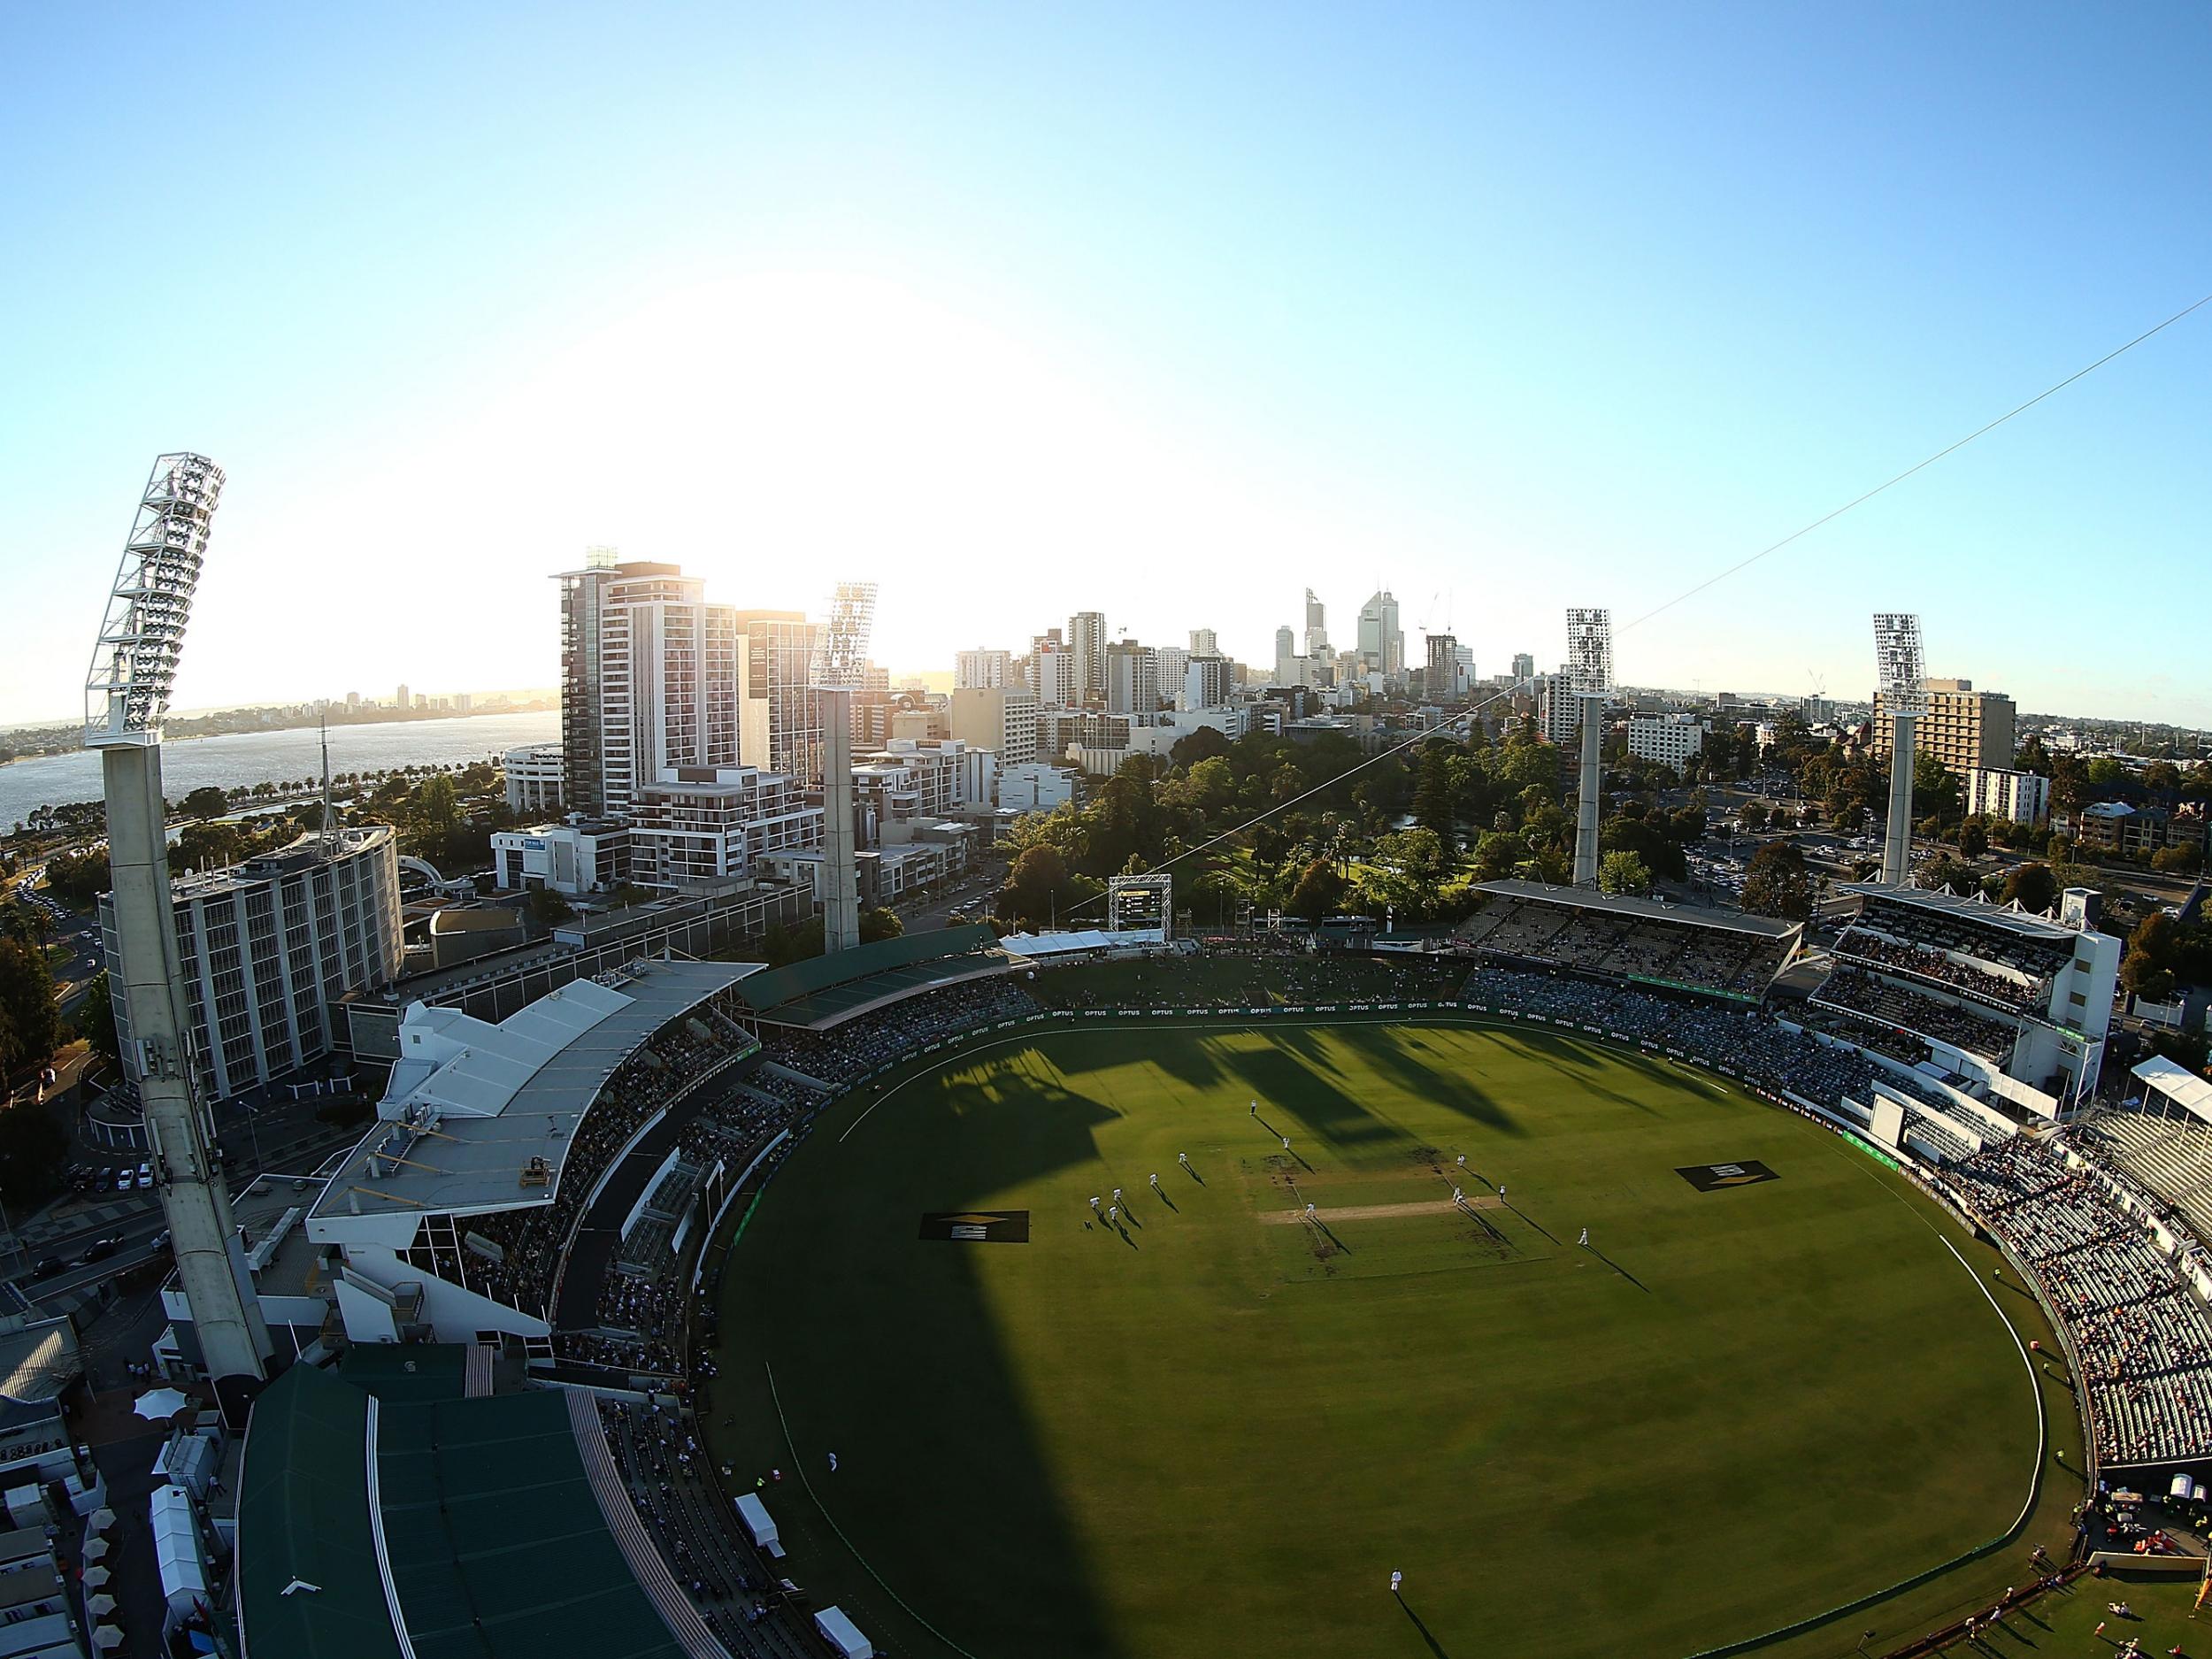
[1558, 316]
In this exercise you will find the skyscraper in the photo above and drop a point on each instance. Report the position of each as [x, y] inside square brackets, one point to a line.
[1203, 643]
[1443, 667]
[1086, 638]
[1524, 668]
[1317, 636]
[648, 680]
[1286, 657]
[1382, 644]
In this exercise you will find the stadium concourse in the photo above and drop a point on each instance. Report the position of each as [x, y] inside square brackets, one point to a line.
[662, 1101]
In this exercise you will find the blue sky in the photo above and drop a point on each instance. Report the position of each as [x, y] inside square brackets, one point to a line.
[1168, 312]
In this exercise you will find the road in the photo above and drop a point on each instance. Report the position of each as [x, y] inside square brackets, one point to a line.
[970, 895]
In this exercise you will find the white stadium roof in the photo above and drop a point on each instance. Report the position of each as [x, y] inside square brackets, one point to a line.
[2178, 1083]
[470, 1103]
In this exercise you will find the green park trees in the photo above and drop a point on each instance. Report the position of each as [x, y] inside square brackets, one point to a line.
[1624, 872]
[1777, 882]
[29, 1027]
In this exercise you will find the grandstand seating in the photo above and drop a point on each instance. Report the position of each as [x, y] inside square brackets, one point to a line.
[2144, 1340]
[673, 1488]
[1947, 929]
[2172, 1156]
[1924, 962]
[1855, 990]
[1622, 943]
[1747, 1040]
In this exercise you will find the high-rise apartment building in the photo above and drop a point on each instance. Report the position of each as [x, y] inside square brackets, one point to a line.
[1168, 662]
[1966, 730]
[1086, 639]
[780, 707]
[1133, 678]
[1524, 668]
[402, 701]
[981, 670]
[1052, 678]
[1203, 643]
[1317, 635]
[1205, 684]
[667, 681]
[1286, 657]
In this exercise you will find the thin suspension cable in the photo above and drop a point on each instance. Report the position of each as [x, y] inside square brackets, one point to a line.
[1803, 530]
[1858, 501]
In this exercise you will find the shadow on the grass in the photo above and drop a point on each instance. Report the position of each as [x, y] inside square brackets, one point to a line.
[1428, 1636]
[990, 1559]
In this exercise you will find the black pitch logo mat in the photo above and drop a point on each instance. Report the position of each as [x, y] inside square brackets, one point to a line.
[1707, 1177]
[977, 1226]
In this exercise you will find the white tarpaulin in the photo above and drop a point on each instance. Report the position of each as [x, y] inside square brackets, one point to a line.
[177, 1548]
[842, 1634]
[758, 1521]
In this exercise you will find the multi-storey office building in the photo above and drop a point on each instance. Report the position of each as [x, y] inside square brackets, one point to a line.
[536, 779]
[1002, 720]
[1670, 739]
[272, 946]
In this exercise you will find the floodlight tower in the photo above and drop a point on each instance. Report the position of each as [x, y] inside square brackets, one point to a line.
[1590, 673]
[1899, 669]
[126, 692]
[840, 650]
[839, 657]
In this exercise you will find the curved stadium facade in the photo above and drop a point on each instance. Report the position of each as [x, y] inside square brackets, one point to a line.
[545, 1195]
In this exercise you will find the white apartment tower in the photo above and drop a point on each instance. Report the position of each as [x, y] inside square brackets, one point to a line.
[981, 670]
[667, 681]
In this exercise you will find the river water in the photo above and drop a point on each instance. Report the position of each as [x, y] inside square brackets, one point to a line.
[245, 758]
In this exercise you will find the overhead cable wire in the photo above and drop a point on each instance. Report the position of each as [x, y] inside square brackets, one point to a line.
[1802, 531]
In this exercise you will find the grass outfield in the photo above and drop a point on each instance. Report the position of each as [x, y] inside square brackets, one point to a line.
[1220, 1429]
